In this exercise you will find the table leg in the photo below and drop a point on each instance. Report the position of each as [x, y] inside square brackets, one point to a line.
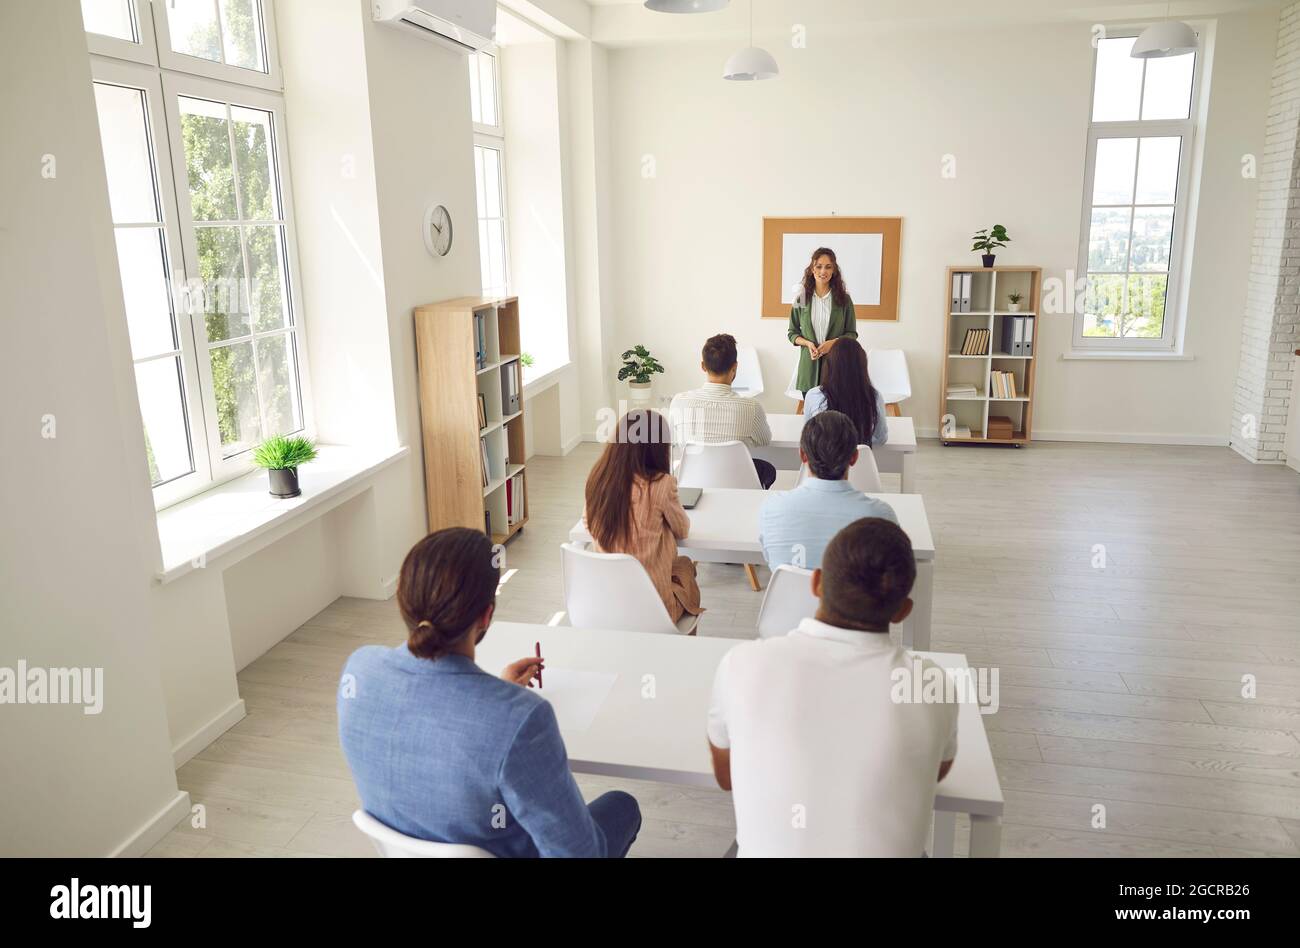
[753, 577]
[943, 832]
[908, 480]
[732, 851]
[922, 604]
[985, 837]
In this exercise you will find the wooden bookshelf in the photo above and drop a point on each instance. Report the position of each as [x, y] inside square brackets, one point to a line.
[448, 338]
[989, 309]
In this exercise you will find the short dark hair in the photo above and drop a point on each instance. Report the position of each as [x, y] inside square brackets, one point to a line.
[867, 571]
[447, 581]
[829, 439]
[719, 353]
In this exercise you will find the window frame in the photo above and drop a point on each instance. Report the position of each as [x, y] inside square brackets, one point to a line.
[148, 81]
[176, 85]
[172, 61]
[494, 137]
[1171, 335]
[142, 50]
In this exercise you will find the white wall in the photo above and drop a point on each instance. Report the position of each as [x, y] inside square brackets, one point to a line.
[858, 124]
[74, 576]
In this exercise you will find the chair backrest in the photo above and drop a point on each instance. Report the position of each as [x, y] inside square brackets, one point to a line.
[788, 601]
[749, 374]
[394, 845]
[888, 370]
[864, 476]
[727, 464]
[610, 591]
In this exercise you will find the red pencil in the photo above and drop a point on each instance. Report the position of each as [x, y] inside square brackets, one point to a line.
[539, 667]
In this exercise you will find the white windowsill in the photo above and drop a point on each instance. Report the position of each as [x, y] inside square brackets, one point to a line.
[231, 515]
[1081, 355]
[539, 378]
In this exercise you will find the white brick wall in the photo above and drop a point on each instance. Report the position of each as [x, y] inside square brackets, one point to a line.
[1271, 329]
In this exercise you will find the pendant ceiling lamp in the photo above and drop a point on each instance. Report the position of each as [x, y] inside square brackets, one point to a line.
[685, 6]
[750, 63]
[1169, 38]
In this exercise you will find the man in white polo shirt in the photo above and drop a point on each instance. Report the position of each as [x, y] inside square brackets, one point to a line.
[714, 412]
[804, 729]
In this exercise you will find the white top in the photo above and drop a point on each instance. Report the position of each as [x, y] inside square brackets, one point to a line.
[824, 761]
[714, 413]
[726, 523]
[821, 315]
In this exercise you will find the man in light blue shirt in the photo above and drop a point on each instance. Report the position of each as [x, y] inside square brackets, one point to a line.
[795, 526]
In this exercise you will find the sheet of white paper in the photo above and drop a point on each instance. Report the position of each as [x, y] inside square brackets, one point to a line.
[859, 256]
[575, 695]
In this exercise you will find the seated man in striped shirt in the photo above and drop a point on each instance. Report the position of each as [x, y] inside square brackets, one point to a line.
[714, 412]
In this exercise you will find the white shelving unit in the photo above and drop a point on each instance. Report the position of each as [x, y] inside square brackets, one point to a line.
[989, 309]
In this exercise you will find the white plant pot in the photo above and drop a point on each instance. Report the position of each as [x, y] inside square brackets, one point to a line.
[638, 393]
[1013, 307]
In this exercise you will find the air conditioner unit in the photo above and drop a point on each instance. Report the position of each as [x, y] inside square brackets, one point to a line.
[466, 25]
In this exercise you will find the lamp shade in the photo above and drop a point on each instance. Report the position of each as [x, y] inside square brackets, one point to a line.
[1170, 38]
[685, 6]
[750, 63]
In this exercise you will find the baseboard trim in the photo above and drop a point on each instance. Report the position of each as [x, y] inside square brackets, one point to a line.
[223, 722]
[568, 446]
[1109, 437]
[162, 823]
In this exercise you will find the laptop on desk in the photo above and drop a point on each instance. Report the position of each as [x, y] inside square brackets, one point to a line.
[689, 496]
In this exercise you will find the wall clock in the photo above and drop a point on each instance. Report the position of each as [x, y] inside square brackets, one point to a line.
[437, 230]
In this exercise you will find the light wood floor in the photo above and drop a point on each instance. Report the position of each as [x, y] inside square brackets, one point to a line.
[1119, 686]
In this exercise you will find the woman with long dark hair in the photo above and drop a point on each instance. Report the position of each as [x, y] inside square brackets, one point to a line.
[821, 316]
[632, 507]
[846, 387]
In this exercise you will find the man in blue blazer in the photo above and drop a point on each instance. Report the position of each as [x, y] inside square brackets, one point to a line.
[441, 749]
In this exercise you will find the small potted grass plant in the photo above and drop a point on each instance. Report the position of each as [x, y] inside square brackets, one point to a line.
[281, 457]
[1013, 301]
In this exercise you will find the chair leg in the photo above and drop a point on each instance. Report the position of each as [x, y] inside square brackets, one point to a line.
[753, 577]
[798, 409]
[893, 411]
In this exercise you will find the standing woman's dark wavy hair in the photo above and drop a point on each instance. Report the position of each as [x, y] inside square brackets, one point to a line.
[847, 386]
[641, 447]
[839, 292]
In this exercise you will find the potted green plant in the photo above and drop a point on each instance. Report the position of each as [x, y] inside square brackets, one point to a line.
[1013, 301]
[638, 368]
[990, 240]
[281, 457]
[526, 360]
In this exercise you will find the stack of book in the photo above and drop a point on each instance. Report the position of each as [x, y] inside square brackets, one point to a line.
[976, 342]
[482, 412]
[482, 445]
[1002, 384]
[1000, 428]
[515, 499]
[962, 390]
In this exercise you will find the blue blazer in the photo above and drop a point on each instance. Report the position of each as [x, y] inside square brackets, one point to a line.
[443, 750]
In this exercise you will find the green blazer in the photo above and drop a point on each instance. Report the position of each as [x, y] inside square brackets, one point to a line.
[843, 324]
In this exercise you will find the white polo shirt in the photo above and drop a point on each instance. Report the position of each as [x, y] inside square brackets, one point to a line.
[823, 761]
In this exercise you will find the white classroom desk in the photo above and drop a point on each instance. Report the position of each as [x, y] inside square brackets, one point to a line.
[724, 529]
[896, 456]
[662, 738]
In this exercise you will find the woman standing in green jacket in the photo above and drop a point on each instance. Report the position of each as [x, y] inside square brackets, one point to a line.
[822, 315]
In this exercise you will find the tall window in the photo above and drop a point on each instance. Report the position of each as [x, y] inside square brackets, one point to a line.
[489, 171]
[1135, 199]
[200, 200]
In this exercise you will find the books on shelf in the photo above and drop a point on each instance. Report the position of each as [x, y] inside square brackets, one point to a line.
[1002, 384]
[482, 445]
[482, 412]
[961, 292]
[976, 342]
[480, 342]
[510, 388]
[515, 499]
[1018, 335]
[1028, 342]
[962, 390]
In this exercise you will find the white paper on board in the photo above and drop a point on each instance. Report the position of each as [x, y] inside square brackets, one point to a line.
[576, 696]
[860, 256]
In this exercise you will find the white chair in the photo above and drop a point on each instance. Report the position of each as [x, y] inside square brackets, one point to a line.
[864, 475]
[613, 591]
[787, 602]
[749, 374]
[726, 464]
[394, 845]
[888, 371]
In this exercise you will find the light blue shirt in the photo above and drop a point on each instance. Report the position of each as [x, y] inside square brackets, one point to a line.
[815, 401]
[794, 526]
[443, 750]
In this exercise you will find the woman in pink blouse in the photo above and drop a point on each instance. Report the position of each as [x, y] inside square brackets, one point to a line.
[632, 507]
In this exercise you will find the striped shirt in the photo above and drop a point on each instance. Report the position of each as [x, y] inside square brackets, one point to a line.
[715, 413]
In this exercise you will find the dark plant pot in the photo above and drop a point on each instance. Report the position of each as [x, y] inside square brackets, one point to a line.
[988, 259]
[284, 482]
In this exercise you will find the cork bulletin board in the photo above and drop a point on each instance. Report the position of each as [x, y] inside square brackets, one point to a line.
[866, 248]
